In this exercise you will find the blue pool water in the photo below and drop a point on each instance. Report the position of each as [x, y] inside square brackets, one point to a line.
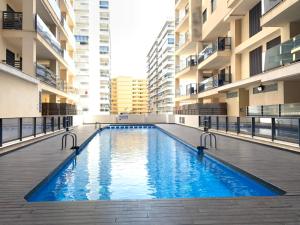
[144, 163]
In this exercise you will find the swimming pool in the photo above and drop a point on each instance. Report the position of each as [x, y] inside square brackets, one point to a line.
[144, 163]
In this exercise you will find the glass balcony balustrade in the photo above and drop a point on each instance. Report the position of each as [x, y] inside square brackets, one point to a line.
[214, 82]
[49, 37]
[221, 44]
[282, 54]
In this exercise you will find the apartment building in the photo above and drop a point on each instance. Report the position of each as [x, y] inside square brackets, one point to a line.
[161, 71]
[92, 34]
[37, 70]
[129, 95]
[245, 62]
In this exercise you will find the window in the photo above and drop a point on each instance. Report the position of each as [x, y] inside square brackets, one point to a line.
[232, 95]
[204, 16]
[254, 20]
[170, 40]
[103, 4]
[104, 49]
[82, 39]
[213, 5]
[256, 61]
[274, 42]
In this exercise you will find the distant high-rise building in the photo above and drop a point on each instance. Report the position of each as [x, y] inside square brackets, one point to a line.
[161, 71]
[129, 95]
[93, 55]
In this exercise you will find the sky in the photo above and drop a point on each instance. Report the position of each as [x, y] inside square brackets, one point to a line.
[135, 24]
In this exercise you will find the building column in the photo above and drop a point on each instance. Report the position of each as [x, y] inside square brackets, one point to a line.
[29, 55]
[29, 12]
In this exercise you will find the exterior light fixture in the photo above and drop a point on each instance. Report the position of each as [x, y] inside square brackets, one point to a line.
[260, 88]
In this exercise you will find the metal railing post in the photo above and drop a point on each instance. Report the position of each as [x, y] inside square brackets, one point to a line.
[52, 124]
[226, 123]
[64, 122]
[1, 135]
[58, 122]
[299, 131]
[199, 121]
[34, 126]
[273, 128]
[45, 125]
[238, 125]
[20, 128]
[217, 122]
[253, 127]
[279, 110]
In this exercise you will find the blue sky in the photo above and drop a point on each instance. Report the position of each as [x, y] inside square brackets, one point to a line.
[134, 27]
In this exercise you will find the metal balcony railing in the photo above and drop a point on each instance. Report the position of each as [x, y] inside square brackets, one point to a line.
[268, 5]
[12, 20]
[15, 63]
[221, 44]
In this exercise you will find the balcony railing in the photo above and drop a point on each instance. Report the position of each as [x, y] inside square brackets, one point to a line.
[70, 9]
[48, 77]
[187, 90]
[71, 37]
[282, 54]
[268, 5]
[222, 44]
[55, 8]
[179, 19]
[280, 110]
[44, 31]
[15, 63]
[58, 109]
[182, 40]
[12, 20]
[190, 61]
[69, 60]
[214, 82]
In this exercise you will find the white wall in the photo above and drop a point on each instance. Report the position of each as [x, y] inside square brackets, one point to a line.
[129, 119]
[190, 120]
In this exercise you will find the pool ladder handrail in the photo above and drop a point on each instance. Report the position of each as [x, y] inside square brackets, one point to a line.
[96, 125]
[211, 136]
[74, 141]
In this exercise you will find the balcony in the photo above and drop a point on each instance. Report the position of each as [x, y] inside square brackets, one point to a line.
[283, 54]
[69, 33]
[182, 22]
[14, 63]
[185, 46]
[214, 82]
[279, 12]
[188, 91]
[215, 55]
[47, 35]
[188, 67]
[69, 9]
[58, 109]
[48, 77]
[12, 20]
[54, 5]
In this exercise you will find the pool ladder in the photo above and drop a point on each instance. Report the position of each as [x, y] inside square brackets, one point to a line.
[205, 139]
[64, 141]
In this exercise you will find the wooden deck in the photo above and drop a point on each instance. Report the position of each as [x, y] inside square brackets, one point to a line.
[22, 170]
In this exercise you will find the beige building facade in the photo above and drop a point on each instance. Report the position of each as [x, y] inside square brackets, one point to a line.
[129, 95]
[37, 72]
[241, 59]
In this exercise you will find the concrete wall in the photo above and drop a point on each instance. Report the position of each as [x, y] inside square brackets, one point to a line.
[190, 120]
[18, 98]
[129, 119]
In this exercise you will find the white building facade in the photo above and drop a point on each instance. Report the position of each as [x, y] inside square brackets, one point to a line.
[92, 59]
[161, 71]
